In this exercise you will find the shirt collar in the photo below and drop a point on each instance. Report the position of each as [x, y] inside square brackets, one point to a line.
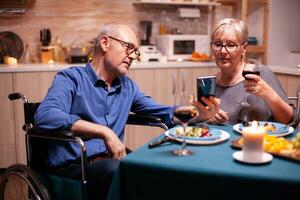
[96, 79]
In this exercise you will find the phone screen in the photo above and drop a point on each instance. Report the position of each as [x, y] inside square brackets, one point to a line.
[206, 86]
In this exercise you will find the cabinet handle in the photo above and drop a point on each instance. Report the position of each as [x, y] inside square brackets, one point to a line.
[174, 87]
[183, 80]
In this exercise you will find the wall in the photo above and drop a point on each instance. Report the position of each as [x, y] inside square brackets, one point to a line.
[284, 31]
[79, 20]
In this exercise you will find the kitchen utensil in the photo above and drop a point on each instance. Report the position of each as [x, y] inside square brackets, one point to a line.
[146, 31]
[11, 44]
[159, 142]
[45, 36]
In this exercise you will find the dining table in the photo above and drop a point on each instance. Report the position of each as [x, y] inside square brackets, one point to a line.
[210, 172]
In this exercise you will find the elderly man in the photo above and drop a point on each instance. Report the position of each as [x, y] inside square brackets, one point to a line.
[95, 101]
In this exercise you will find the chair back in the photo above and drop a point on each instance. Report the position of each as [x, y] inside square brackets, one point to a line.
[37, 148]
[296, 100]
[29, 112]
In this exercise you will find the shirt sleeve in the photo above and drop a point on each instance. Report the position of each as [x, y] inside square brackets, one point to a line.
[53, 113]
[143, 104]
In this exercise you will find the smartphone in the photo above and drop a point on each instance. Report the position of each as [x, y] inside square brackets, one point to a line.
[206, 86]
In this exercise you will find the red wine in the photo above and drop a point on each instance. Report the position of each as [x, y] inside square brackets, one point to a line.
[244, 73]
[183, 116]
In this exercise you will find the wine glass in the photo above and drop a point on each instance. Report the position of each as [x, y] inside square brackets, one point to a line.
[247, 112]
[184, 117]
[249, 69]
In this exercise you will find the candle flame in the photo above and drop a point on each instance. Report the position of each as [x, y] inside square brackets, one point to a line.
[254, 124]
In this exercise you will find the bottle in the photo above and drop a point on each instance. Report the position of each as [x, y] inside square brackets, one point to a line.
[163, 23]
[58, 53]
[26, 57]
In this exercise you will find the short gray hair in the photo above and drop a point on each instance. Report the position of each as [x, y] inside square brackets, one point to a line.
[239, 26]
[111, 28]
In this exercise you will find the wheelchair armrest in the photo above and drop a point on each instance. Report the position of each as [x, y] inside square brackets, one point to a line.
[146, 120]
[54, 134]
[142, 119]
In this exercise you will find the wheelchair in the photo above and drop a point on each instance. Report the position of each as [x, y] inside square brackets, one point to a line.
[29, 181]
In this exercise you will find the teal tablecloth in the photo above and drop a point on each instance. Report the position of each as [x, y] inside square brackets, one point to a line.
[209, 173]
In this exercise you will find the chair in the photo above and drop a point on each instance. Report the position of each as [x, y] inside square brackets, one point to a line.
[296, 104]
[36, 184]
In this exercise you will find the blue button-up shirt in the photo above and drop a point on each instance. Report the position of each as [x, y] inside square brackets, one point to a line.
[78, 93]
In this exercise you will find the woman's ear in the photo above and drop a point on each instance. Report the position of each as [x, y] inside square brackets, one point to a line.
[244, 46]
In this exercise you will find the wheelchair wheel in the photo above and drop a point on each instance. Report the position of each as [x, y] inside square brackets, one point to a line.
[19, 182]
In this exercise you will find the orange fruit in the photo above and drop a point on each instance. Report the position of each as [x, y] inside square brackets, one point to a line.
[196, 55]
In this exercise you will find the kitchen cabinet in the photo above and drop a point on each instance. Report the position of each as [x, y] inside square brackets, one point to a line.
[7, 122]
[244, 10]
[290, 83]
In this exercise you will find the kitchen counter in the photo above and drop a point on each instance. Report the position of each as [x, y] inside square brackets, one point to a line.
[39, 67]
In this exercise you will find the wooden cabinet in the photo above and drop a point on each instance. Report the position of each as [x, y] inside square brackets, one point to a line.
[7, 122]
[290, 83]
[253, 12]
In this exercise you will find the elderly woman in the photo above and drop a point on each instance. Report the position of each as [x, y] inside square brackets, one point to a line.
[260, 96]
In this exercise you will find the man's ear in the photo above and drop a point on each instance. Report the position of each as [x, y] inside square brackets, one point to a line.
[104, 43]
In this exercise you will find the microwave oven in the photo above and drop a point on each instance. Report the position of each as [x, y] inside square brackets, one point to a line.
[176, 47]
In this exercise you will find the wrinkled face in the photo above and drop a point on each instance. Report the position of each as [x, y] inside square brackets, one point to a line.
[227, 49]
[120, 51]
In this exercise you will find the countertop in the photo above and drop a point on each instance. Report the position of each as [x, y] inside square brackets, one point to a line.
[136, 65]
[39, 67]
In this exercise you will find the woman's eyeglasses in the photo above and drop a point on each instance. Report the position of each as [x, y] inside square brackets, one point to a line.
[230, 47]
[130, 48]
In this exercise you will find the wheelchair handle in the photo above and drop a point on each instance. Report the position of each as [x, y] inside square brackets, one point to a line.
[18, 95]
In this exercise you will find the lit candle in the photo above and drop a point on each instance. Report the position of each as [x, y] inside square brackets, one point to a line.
[253, 142]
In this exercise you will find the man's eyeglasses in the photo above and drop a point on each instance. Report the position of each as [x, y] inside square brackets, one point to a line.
[230, 47]
[130, 48]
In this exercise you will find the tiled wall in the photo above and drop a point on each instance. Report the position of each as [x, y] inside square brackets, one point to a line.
[79, 20]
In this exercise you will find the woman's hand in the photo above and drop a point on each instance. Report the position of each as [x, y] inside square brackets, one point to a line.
[209, 111]
[281, 111]
[220, 117]
[257, 86]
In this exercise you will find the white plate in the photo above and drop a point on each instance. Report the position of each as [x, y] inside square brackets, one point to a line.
[217, 136]
[238, 155]
[289, 130]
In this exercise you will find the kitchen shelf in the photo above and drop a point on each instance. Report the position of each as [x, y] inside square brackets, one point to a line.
[244, 14]
[175, 3]
[256, 49]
